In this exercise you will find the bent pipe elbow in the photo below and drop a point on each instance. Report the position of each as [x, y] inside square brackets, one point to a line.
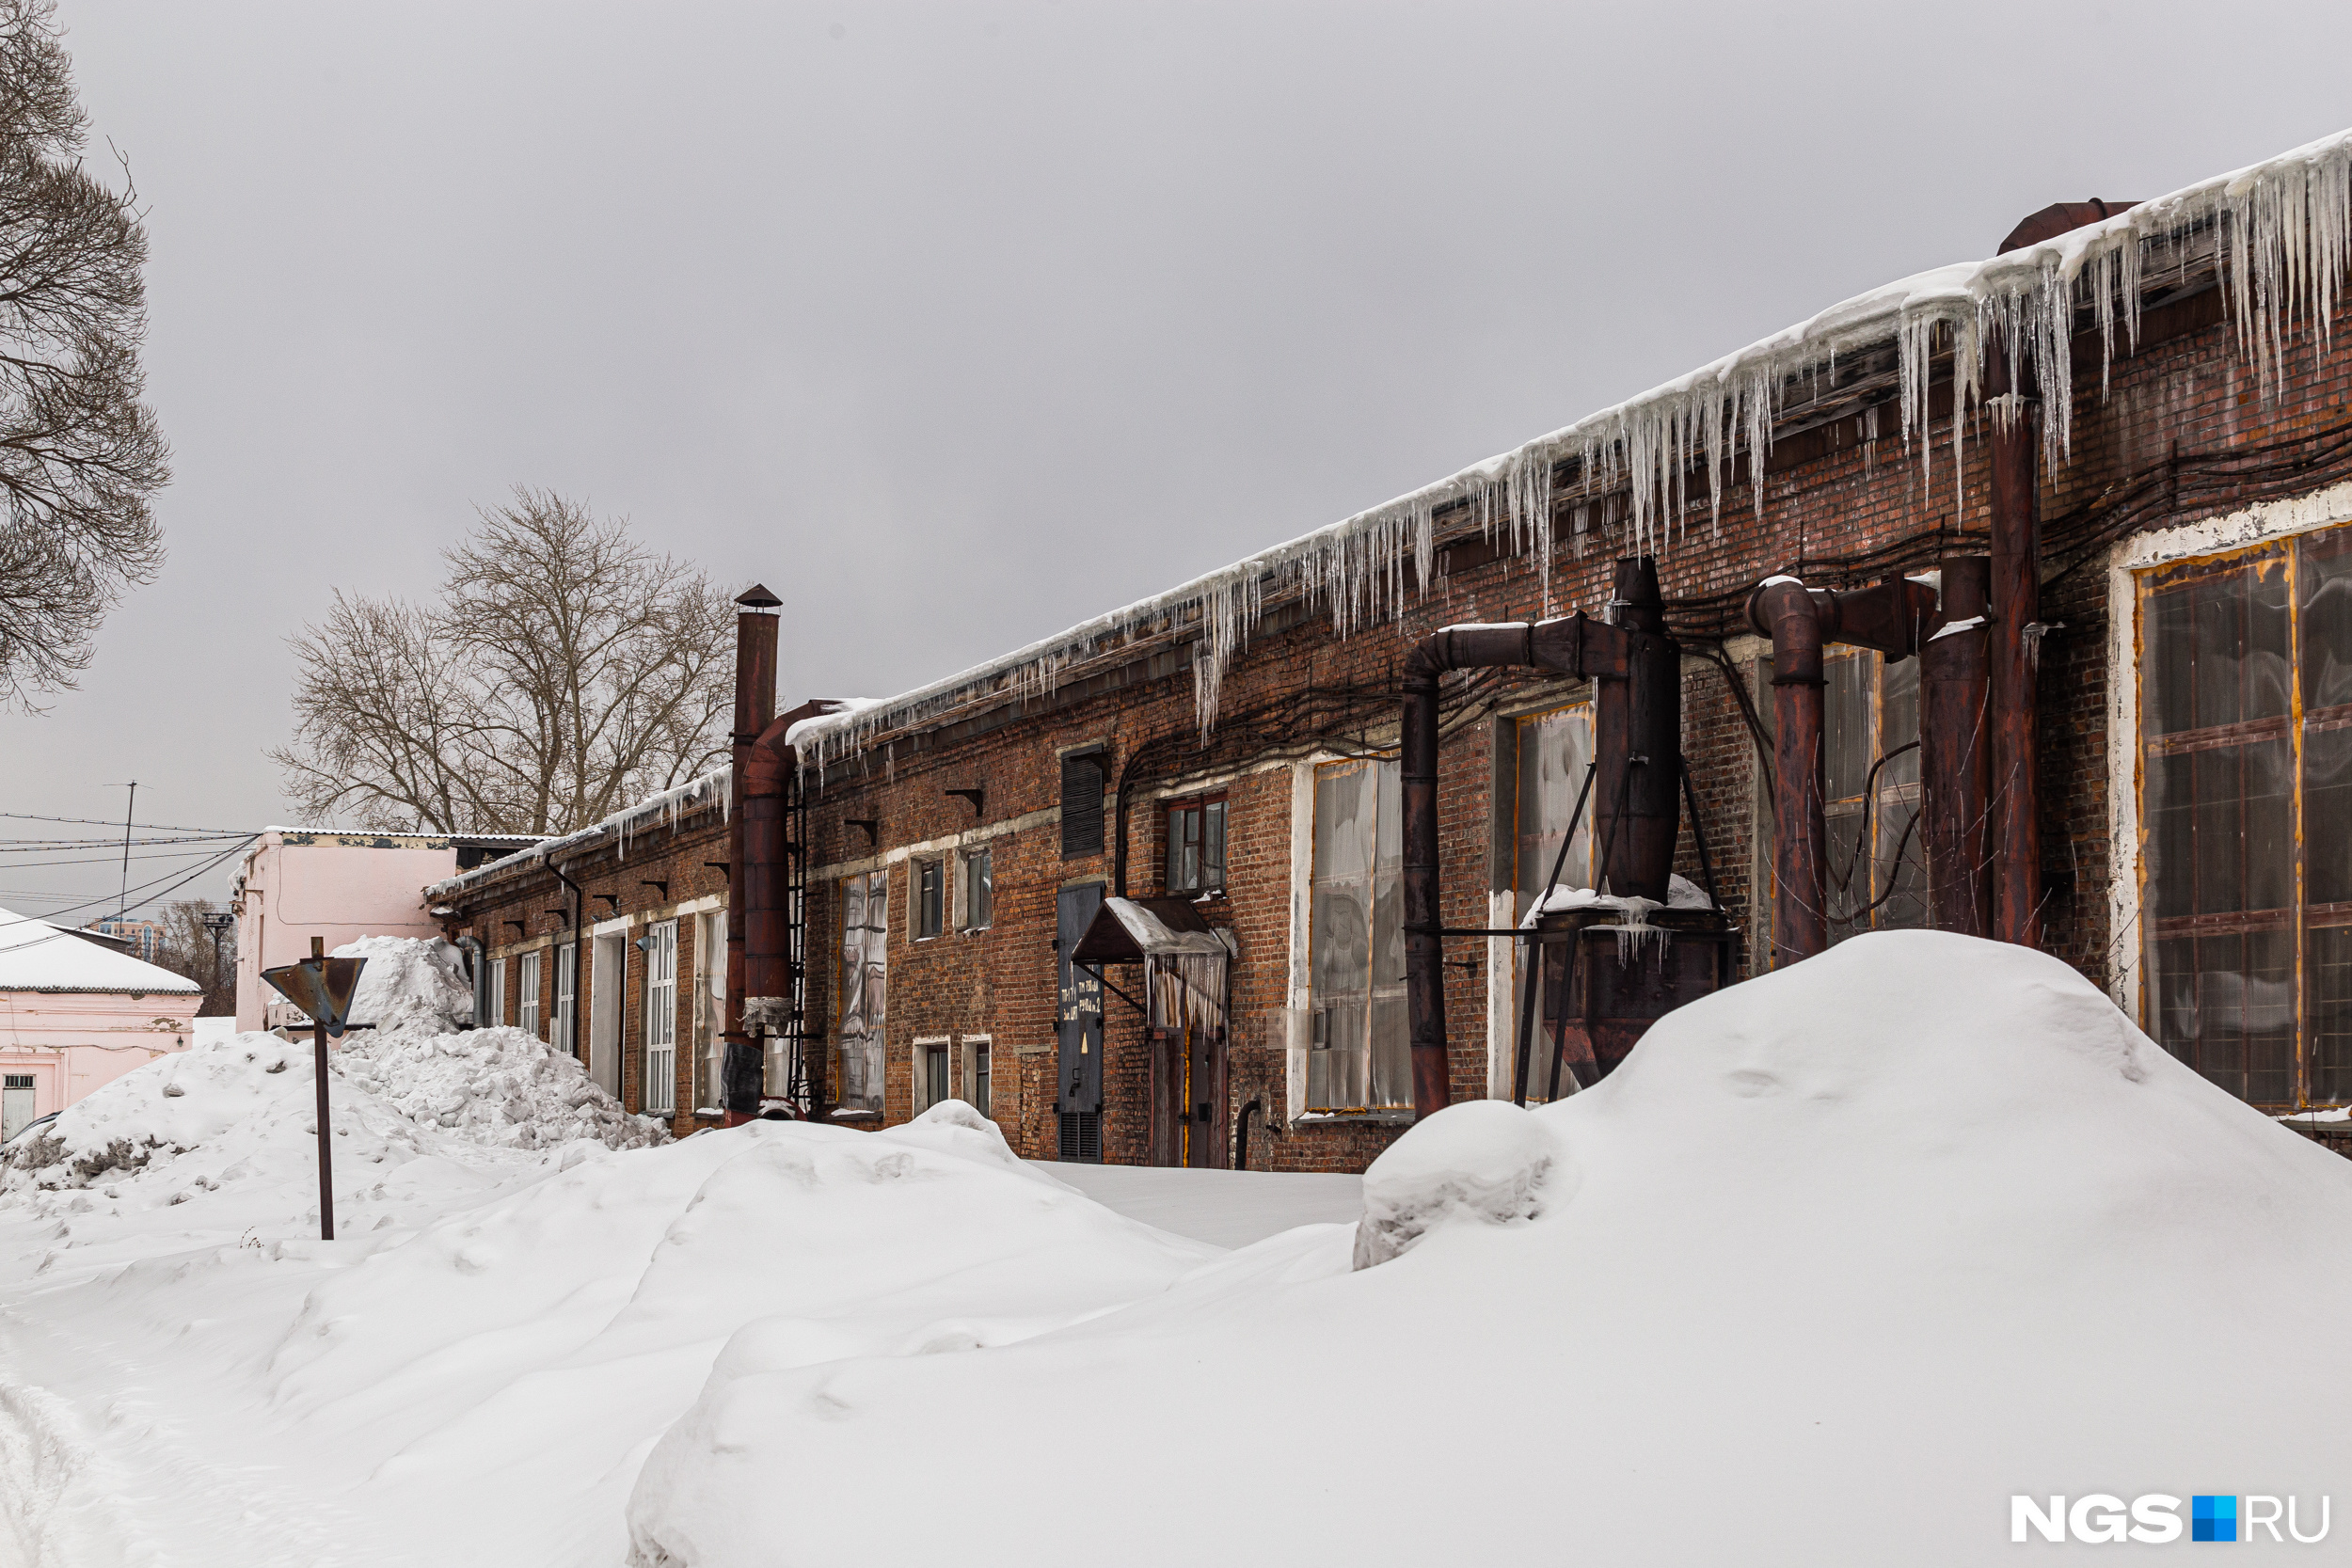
[1799, 620]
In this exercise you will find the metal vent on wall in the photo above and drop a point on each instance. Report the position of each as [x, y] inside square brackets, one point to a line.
[1082, 803]
[1081, 1136]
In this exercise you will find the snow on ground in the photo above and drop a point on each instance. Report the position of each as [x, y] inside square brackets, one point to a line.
[1224, 1208]
[1832, 1266]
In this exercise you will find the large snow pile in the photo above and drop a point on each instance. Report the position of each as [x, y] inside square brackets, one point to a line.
[410, 983]
[1837, 1262]
[500, 1087]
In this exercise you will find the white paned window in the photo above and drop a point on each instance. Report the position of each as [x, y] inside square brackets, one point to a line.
[527, 1014]
[497, 992]
[660, 1096]
[710, 1001]
[566, 994]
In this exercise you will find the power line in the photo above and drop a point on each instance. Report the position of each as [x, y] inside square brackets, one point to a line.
[95, 822]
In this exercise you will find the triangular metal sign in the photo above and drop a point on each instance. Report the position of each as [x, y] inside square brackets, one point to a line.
[322, 987]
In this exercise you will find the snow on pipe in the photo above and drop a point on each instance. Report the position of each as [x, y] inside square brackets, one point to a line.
[1637, 671]
[2278, 236]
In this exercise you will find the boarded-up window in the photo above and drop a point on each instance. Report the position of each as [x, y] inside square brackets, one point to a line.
[1082, 803]
[1360, 1055]
[864, 987]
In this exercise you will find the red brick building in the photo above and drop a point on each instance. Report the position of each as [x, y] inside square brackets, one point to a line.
[2161, 378]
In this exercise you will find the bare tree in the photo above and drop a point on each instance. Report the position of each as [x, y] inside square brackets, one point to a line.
[566, 671]
[205, 953]
[80, 455]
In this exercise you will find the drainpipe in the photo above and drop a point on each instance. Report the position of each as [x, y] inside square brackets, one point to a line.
[1891, 617]
[756, 624]
[1956, 759]
[2015, 612]
[579, 989]
[1639, 673]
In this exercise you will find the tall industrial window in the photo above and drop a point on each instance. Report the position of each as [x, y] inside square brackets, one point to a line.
[1196, 848]
[979, 888]
[660, 1097]
[863, 994]
[930, 895]
[567, 988]
[1082, 803]
[527, 983]
[1874, 859]
[711, 999]
[497, 992]
[1872, 856]
[2246, 816]
[1359, 1054]
[1553, 750]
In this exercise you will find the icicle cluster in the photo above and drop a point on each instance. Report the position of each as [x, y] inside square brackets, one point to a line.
[2278, 235]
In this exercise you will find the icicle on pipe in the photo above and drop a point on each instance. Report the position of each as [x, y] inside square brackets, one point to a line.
[2278, 235]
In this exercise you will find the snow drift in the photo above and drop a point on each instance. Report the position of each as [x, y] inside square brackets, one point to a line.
[1837, 1262]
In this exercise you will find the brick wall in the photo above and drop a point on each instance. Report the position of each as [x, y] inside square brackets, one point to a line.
[1831, 498]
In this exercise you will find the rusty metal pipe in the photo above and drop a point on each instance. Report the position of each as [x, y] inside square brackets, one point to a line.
[2016, 608]
[1956, 769]
[1799, 620]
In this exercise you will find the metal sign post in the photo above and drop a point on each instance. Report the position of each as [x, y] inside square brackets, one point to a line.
[323, 987]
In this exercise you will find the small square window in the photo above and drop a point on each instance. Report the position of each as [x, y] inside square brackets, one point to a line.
[1196, 847]
[928, 886]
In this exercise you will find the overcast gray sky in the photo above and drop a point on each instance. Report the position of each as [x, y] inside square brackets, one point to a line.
[956, 324]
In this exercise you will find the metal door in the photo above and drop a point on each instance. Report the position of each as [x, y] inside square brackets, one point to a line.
[16, 1104]
[1079, 1014]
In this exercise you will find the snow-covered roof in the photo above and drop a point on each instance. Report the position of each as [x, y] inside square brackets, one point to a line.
[713, 788]
[2277, 235]
[36, 956]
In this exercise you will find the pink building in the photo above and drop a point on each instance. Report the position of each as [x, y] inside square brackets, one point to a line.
[298, 883]
[79, 1016]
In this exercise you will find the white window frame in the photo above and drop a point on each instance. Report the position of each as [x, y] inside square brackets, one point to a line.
[965, 919]
[565, 1036]
[710, 1001]
[497, 992]
[659, 1094]
[979, 1074]
[527, 1015]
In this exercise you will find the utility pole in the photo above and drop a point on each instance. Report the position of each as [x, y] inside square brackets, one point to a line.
[123, 905]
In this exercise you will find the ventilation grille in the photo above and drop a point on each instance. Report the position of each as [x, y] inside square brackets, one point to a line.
[18, 1080]
[1082, 804]
[1081, 1136]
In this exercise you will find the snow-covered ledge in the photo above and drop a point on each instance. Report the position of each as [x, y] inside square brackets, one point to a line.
[2125, 561]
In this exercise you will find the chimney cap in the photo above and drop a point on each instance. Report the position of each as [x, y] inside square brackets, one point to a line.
[2061, 217]
[757, 598]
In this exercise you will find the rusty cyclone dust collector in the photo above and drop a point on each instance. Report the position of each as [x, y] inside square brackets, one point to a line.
[1599, 998]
